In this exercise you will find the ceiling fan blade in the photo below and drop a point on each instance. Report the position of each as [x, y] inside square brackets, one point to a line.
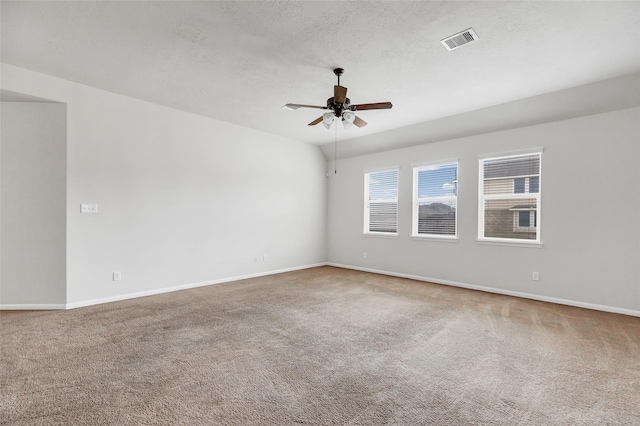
[316, 121]
[359, 122]
[379, 105]
[296, 106]
[339, 94]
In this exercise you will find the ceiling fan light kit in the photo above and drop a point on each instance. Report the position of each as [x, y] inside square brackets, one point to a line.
[347, 119]
[340, 107]
[327, 119]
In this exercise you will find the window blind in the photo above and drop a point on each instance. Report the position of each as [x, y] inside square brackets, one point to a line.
[381, 202]
[435, 200]
[510, 197]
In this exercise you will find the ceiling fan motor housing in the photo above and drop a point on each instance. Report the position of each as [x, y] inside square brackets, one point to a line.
[338, 108]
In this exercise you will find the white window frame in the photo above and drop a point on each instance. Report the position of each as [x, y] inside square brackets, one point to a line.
[416, 202]
[482, 198]
[367, 215]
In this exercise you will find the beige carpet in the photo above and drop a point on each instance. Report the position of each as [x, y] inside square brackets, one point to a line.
[323, 346]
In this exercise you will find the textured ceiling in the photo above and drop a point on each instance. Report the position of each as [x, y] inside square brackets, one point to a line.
[241, 61]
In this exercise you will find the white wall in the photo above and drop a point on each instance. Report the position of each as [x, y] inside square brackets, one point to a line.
[34, 206]
[182, 199]
[590, 221]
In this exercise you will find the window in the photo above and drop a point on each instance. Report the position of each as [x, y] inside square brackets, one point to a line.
[435, 194]
[524, 219]
[381, 202]
[524, 185]
[510, 198]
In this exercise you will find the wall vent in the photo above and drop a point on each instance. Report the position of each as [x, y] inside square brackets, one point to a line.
[460, 39]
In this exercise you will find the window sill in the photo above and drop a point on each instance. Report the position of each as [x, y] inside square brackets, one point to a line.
[440, 239]
[380, 235]
[526, 244]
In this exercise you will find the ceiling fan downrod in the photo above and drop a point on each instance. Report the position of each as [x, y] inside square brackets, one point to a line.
[338, 72]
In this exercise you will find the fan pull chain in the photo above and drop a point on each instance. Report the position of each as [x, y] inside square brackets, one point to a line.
[335, 151]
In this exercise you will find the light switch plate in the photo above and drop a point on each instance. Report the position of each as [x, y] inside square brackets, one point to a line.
[88, 208]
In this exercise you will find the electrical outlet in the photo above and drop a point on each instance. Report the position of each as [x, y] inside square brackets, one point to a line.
[535, 276]
[117, 276]
[364, 254]
[265, 258]
[255, 259]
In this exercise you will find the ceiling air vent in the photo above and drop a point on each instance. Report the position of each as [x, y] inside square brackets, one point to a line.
[460, 39]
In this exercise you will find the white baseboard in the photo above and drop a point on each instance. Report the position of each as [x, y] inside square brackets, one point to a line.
[567, 302]
[31, 307]
[127, 296]
[83, 303]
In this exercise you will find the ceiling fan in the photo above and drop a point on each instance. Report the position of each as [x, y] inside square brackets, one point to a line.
[341, 108]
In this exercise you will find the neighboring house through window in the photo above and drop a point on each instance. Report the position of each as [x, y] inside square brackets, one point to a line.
[510, 198]
[435, 194]
[381, 202]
